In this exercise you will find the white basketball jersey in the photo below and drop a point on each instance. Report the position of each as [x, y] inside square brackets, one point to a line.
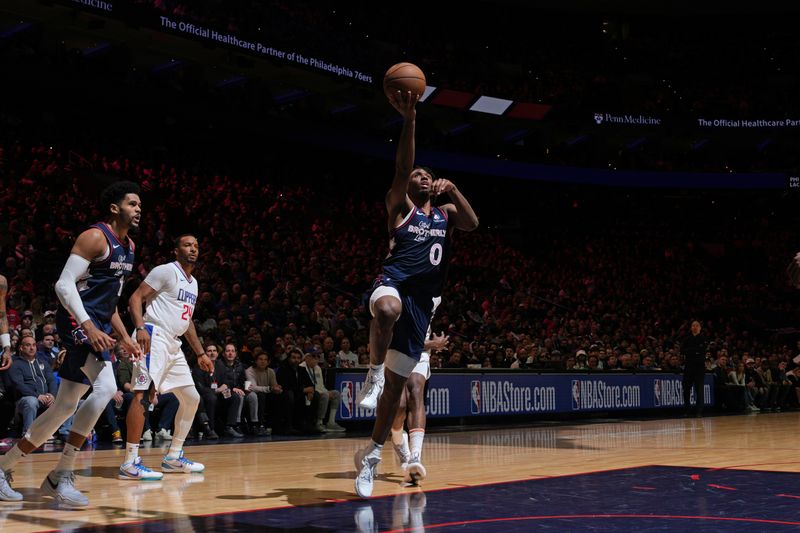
[173, 305]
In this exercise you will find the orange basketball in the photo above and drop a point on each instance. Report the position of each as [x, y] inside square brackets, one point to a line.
[404, 77]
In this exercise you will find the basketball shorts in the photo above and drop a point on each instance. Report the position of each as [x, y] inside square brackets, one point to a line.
[81, 363]
[408, 340]
[165, 366]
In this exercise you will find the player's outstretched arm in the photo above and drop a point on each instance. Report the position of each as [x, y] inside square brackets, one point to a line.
[460, 211]
[90, 245]
[405, 104]
[135, 305]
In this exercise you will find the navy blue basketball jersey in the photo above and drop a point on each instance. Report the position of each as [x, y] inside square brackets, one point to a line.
[419, 252]
[101, 287]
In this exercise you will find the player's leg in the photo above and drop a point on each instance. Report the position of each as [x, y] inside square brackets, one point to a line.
[177, 379]
[67, 398]
[174, 461]
[415, 471]
[367, 459]
[385, 307]
[132, 466]
[60, 482]
[144, 371]
[399, 435]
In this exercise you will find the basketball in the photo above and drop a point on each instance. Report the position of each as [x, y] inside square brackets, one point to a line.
[404, 77]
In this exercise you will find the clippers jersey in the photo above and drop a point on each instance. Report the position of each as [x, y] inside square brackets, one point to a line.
[101, 287]
[419, 252]
[176, 295]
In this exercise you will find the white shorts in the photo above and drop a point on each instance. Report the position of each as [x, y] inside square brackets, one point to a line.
[424, 366]
[165, 366]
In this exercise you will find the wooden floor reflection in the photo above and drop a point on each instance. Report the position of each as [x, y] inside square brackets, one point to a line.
[276, 474]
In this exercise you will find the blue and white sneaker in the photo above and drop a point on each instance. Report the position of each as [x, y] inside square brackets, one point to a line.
[63, 489]
[138, 472]
[7, 494]
[181, 465]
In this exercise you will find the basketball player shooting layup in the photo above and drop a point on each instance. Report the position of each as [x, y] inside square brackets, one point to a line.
[170, 292]
[402, 298]
[88, 289]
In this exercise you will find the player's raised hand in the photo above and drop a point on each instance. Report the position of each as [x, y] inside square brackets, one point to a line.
[442, 186]
[405, 103]
[205, 363]
[438, 342]
[793, 270]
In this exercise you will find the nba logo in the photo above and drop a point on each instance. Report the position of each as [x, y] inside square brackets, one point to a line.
[346, 410]
[657, 393]
[576, 394]
[475, 397]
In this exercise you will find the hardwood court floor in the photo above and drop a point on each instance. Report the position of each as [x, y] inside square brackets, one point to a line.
[262, 475]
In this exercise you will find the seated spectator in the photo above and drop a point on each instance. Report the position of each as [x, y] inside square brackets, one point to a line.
[207, 387]
[33, 382]
[346, 358]
[272, 403]
[322, 396]
[299, 388]
[773, 387]
[229, 374]
[737, 382]
[754, 383]
[672, 365]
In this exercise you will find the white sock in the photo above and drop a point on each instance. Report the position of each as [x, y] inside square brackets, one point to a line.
[131, 452]
[10, 459]
[67, 461]
[175, 448]
[377, 370]
[397, 437]
[374, 449]
[415, 436]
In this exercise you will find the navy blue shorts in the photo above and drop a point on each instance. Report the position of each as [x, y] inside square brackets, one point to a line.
[74, 341]
[411, 328]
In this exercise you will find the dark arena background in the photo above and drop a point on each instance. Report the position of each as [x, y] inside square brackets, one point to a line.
[635, 168]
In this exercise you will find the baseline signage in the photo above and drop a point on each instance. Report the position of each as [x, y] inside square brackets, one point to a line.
[481, 394]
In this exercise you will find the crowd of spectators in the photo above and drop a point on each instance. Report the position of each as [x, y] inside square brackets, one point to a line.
[285, 259]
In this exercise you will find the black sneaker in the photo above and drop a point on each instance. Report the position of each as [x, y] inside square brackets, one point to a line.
[231, 431]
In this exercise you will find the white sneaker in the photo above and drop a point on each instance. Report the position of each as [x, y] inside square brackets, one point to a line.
[147, 436]
[164, 434]
[319, 427]
[335, 428]
[137, 471]
[63, 489]
[182, 465]
[402, 452]
[371, 390]
[414, 472]
[366, 466]
[7, 494]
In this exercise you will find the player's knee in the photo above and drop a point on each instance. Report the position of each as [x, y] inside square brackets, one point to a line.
[387, 310]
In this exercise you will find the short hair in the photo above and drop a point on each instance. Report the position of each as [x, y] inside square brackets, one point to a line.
[26, 336]
[181, 236]
[295, 349]
[426, 169]
[116, 192]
